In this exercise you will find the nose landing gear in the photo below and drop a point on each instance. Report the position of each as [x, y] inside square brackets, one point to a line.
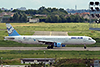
[84, 46]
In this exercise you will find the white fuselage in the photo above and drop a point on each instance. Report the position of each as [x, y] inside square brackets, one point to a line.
[60, 39]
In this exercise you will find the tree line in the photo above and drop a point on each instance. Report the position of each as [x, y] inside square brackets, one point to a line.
[19, 17]
[54, 15]
[43, 10]
[63, 19]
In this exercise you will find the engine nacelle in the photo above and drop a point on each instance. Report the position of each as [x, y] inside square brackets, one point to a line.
[59, 45]
[63, 45]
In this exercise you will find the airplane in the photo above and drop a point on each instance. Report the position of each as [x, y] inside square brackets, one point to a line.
[51, 41]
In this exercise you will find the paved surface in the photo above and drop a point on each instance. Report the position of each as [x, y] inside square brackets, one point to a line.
[52, 33]
[57, 49]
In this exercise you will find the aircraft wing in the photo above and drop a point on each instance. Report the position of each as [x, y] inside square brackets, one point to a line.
[45, 41]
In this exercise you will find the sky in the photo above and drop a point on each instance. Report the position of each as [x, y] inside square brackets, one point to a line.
[35, 4]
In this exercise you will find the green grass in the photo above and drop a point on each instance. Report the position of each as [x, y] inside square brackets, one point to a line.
[48, 54]
[57, 27]
[10, 56]
[2, 26]
[26, 28]
[72, 28]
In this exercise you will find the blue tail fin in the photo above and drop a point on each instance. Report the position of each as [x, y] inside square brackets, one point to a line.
[11, 30]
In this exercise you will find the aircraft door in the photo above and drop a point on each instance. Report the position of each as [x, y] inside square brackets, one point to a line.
[85, 39]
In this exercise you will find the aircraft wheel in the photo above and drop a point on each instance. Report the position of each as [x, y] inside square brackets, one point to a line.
[84, 47]
[48, 47]
[51, 46]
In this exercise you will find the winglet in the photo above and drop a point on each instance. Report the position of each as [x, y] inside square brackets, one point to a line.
[11, 31]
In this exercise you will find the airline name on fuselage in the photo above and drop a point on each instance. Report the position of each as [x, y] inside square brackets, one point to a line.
[76, 37]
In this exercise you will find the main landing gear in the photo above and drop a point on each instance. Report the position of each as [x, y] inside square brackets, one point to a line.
[84, 46]
[50, 47]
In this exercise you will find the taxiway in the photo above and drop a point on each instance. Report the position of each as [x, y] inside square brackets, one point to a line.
[57, 49]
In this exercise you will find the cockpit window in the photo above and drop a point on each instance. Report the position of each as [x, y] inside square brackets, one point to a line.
[90, 39]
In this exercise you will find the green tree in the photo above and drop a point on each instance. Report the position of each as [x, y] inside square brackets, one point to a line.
[54, 9]
[68, 19]
[77, 18]
[11, 19]
[24, 18]
[62, 18]
[56, 19]
[52, 19]
[49, 10]
[16, 10]
[82, 19]
[19, 17]
[16, 17]
[48, 18]
[42, 8]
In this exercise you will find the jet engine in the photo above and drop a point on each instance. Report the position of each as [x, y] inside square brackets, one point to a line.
[58, 45]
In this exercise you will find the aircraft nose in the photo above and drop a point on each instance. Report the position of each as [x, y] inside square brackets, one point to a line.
[94, 41]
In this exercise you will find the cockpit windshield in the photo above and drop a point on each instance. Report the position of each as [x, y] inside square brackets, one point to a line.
[90, 39]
